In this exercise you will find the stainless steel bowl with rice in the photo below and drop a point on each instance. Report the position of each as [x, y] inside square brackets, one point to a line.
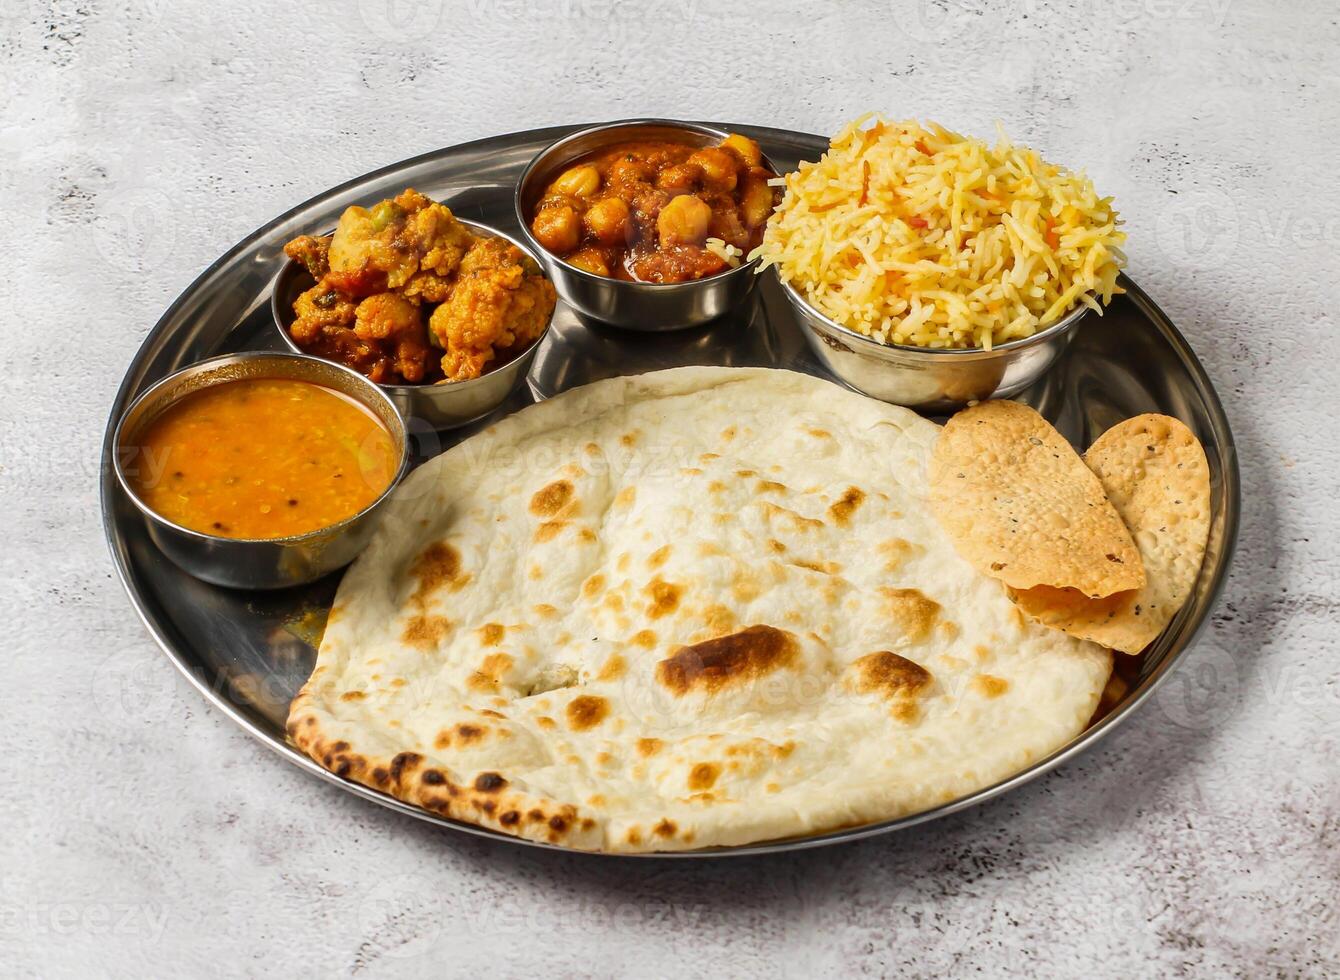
[932, 269]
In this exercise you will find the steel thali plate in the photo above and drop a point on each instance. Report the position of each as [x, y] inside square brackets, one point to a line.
[249, 653]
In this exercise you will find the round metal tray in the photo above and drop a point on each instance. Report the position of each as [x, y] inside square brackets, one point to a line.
[248, 653]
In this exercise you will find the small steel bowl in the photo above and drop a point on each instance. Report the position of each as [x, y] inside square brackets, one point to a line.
[448, 405]
[256, 563]
[634, 305]
[931, 381]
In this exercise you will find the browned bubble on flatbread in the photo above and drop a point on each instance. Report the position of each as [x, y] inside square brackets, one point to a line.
[1021, 506]
[733, 659]
[913, 612]
[891, 678]
[1155, 473]
[551, 499]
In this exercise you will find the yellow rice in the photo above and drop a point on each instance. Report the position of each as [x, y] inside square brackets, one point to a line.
[918, 236]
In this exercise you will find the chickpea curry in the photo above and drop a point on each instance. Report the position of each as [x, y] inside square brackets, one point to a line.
[406, 294]
[263, 458]
[660, 212]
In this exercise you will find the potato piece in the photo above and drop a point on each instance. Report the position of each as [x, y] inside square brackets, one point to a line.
[756, 199]
[684, 221]
[589, 260]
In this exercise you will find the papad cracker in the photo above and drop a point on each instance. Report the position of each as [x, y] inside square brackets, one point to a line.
[1021, 506]
[1156, 475]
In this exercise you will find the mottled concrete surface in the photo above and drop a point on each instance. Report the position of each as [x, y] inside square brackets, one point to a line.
[143, 832]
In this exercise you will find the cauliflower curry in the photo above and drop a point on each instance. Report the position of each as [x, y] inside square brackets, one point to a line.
[406, 294]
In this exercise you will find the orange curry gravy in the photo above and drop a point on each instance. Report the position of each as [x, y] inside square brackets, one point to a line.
[263, 458]
[646, 210]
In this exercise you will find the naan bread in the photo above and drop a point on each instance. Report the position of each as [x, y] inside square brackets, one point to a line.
[699, 607]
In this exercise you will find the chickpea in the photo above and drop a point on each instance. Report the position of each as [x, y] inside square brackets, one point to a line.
[589, 260]
[578, 181]
[684, 221]
[557, 229]
[628, 171]
[607, 221]
[755, 200]
[682, 178]
[746, 148]
[721, 169]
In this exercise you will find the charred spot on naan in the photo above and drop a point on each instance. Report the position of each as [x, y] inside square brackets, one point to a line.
[717, 620]
[593, 585]
[665, 829]
[552, 499]
[586, 711]
[897, 552]
[492, 673]
[843, 508]
[822, 567]
[663, 597]
[613, 668]
[989, 685]
[788, 517]
[425, 632]
[703, 776]
[649, 746]
[912, 610]
[548, 530]
[491, 634]
[437, 567]
[887, 674]
[463, 735]
[891, 678]
[736, 658]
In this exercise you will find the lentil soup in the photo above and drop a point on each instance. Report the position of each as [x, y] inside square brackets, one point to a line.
[263, 458]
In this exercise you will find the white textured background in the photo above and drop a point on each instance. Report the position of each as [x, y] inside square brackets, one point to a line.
[141, 832]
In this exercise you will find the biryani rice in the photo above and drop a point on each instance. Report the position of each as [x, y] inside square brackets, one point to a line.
[918, 236]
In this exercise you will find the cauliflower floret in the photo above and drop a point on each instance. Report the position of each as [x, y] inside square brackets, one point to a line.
[495, 309]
